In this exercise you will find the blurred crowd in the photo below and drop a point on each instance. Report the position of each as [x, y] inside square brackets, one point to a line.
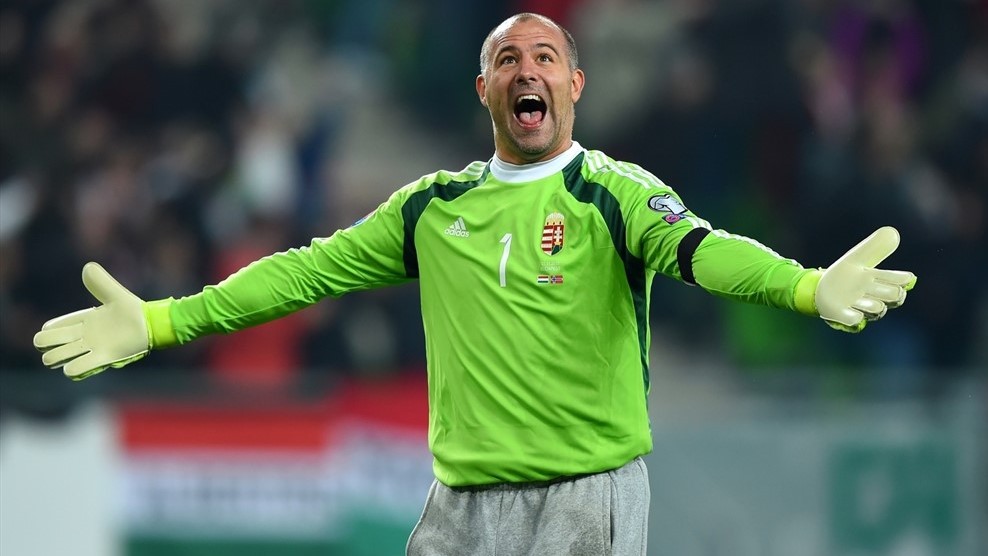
[176, 141]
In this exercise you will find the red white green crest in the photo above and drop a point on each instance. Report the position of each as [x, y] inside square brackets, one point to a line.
[552, 234]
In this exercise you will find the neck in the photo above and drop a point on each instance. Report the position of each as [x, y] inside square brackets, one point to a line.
[519, 158]
[531, 171]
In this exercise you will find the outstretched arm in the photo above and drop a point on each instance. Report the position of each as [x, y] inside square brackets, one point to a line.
[124, 328]
[846, 295]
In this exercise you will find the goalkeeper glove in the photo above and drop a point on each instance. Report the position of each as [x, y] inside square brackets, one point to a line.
[89, 341]
[852, 291]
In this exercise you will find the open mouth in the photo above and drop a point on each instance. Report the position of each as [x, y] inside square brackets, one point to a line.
[530, 110]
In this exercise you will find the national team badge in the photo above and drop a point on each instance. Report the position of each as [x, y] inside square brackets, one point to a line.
[552, 234]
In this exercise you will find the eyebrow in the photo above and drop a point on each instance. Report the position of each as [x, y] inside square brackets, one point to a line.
[511, 47]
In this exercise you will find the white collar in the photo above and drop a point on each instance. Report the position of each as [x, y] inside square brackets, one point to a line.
[520, 173]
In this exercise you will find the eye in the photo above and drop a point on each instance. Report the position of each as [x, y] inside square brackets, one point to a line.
[509, 59]
[545, 58]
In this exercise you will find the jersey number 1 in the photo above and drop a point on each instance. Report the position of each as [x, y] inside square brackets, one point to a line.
[506, 240]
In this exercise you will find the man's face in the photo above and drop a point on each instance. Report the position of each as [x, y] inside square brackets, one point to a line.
[530, 91]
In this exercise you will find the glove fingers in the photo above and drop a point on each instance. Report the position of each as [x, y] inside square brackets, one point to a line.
[86, 374]
[872, 309]
[59, 356]
[897, 302]
[844, 328]
[99, 283]
[885, 292]
[874, 248]
[899, 278]
[891, 286]
[84, 367]
[69, 319]
[53, 337]
[892, 296]
[847, 316]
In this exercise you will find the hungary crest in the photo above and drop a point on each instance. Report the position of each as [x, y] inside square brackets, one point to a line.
[552, 234]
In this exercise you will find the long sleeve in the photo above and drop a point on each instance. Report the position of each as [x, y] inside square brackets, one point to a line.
[742, 269]
[662, 232]
[363, 256]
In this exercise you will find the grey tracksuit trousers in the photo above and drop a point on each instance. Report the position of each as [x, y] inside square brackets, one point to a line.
[592, 515]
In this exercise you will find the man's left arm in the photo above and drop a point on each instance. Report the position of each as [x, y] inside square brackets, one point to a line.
[852, 291]
[846, 295]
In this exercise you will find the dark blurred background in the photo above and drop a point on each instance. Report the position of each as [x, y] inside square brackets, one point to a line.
[176, 141]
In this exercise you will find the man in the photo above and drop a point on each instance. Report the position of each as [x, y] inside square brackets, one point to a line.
[535, 269]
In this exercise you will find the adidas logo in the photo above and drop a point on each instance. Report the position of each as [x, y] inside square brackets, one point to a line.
[458, 228]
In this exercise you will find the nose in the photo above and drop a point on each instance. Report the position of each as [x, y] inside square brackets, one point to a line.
[526, 71]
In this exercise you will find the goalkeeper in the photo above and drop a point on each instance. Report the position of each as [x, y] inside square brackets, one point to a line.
[534, 268]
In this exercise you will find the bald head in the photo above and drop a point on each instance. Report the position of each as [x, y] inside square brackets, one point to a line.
[485, 50]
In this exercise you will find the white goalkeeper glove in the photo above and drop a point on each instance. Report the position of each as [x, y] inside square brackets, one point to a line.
[852, 291]
[89, 341]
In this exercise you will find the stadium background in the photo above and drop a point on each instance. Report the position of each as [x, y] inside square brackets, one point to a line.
[174, 141]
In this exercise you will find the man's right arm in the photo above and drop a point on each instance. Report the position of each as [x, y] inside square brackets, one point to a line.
[350, 260]
[125, 328]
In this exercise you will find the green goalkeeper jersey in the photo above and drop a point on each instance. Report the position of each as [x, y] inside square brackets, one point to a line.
[534, 283]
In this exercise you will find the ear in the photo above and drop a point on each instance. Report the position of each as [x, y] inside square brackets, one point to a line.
[577, 82]
[482, 89]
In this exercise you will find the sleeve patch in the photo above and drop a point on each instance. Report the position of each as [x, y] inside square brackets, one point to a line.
[667, 204]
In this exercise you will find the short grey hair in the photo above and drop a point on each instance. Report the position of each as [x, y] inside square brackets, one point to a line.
[571, 54]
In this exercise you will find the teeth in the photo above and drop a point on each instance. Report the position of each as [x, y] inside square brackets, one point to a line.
[536, 98]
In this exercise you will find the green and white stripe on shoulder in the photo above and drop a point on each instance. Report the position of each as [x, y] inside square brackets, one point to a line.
[472, 172]
[600, 164]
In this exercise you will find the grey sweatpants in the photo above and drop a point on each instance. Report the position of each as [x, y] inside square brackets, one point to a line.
[593, 515]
